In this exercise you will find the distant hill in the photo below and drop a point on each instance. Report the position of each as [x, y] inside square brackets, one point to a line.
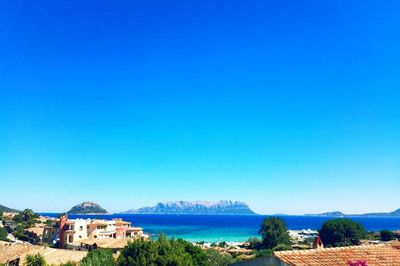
[6, 209]
[223, 207]
[87, 207]
[395, 213]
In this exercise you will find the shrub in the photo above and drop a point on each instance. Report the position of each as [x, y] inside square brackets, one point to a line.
[341, 232]
[98, 256]
[162, 252]
[215, 258]
[387, 235]
[35, 260]
[274, 232]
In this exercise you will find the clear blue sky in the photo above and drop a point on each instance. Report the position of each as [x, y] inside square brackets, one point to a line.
[290, 106]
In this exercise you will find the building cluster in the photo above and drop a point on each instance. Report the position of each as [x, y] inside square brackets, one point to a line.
[84, 234]
[89, 233]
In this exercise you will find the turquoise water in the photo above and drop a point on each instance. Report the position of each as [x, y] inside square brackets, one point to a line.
[233, 228]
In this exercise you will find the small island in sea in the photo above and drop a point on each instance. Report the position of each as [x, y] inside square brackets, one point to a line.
[87, 207]
[222, 207]
[395, 213]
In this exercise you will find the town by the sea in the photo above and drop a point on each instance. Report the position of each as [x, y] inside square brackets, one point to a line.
[230, 228]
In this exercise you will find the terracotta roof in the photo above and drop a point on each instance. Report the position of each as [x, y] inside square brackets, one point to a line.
[12, 252]
[106, 242]
[104, 223]
[51, 255]
[118, 222]
[37, 230]
[374, 255]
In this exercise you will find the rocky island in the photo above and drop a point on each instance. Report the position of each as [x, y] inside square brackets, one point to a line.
[87, 207]
[222, 207]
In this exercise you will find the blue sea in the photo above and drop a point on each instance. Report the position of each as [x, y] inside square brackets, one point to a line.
[235, 228]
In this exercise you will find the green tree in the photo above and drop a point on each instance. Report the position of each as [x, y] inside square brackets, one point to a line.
[99, 256]
[35, 260]
[215, 258]
[387, 235]
[274, 232]
[341, 232]
[161, 252]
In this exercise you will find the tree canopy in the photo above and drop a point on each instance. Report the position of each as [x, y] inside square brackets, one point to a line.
[99, 256]
[341, 232]
[168, 252]
[274, 232]
[35, 260]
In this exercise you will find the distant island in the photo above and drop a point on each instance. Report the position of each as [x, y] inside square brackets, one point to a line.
[87, 207]
[395, 213]
[223, 207]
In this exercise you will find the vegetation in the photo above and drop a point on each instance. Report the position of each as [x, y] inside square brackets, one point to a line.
[274, 232]
[254, 243]
[169, 252]
[215, 258]
[24, 220]
[3, 234]
[99, 256]
[35, 260]
[341, 232]
[387, 235]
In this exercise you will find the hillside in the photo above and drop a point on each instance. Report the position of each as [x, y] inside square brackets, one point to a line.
[6, 209]
[87, 207]
[223, 207]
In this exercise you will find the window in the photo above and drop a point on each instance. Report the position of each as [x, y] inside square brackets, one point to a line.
[80, 228]
[70, 238]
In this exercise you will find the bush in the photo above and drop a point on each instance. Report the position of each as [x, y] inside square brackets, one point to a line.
[274, 232]
[98, 256]
[264, 252]
[387, 235]
[341, 232]
[215, 258]
[254, 243]
[162, 252]
[3, 234]
[35, 260]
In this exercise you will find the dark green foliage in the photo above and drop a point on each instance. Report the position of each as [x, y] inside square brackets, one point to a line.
[69, 263]
[160, 252]
[3, 234]
[222, 244]
[341, 232]
[264, 252]
[99, 256]
[215, 258]
[35, 260]
[274, 232]
[387, 235]
[255, 243]
[24, 220]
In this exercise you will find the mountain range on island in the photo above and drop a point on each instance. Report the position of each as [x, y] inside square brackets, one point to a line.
[87, 207]
[222, 207]
[395, 213]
